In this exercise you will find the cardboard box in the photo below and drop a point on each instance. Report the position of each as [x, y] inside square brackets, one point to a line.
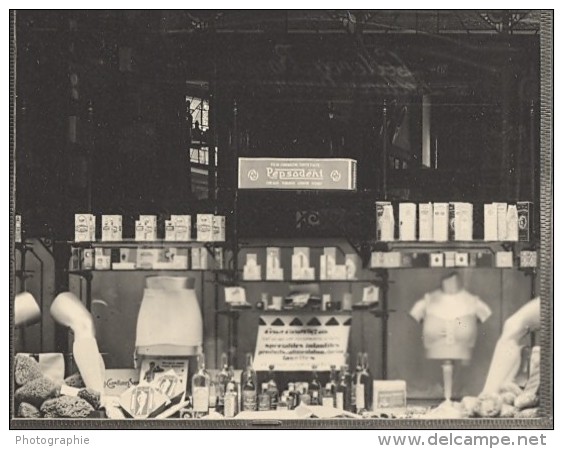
[322, 268]
[463, 221]
[169, 232]
[425, 222]
[528, 259]
[102, 261]
[491, 222]
[219, 258]
[196, 258]
[147, 257]
[204, 259]
[481, 260]
[407, 222]
[139, 231]
[436, 260]
[273, 264]
[385, 221]
[502, 209]
[235, 295]
[87, 259]
[83, 228]
[205, 227]
[512, 223]
[462, 259]
[107, 232]
[525, 220]
[330, 253]
[449, 259]
[377, 259]
[219, 230]
[182, 227]
[392, 259]
[339, 273]
[440, 223]
[370, 294]
[252, 271]
[149, 227]
[504, 259]
[389, 396]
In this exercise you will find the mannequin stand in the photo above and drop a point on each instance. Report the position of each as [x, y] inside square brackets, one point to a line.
[448, 374]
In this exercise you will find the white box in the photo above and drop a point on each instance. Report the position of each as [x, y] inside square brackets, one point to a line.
[441, 224]
[125, 255]
[353, 266]
[392, 259]
[82, 228]
[273, 262]
[252, 271]
[389, 396]
[377, 259]
[139, 231]
[196, 258]
[425, 222]
[149, 227]
[235, 295]
[123, 266]
[204, 259]
[107, 228]
[18, 230]
[504, 259]
[407, 222]
[371, 294]
[296, 267]
[147, 257]
[219, 228]
[330, 253]
[449, 259]
[169, 233]
[305, 253]
[502, 209]
[92, 228]
[204, 227]
[463, 221]
[461, 259]
[182, 227]
[339, 273]
[322, 267]
[436, 260]
[181, 262]
[219, 258]
[490, 222]
[385, 221]
[308, 274]
[512, 223]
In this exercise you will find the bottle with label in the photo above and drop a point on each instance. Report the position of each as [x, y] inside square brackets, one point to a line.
[264, 399]
[201, 382]
[249, 387]
[328, 396]
[283, 402]
[315, 389]
[304, 396]
[231, 407]
[273, 389]
[221, 383]
[333, 379]
[343, 395]
[293, 396]
[364, 386]
[354, 381]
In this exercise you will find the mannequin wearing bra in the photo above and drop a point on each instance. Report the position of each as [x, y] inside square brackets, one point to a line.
[449, 319]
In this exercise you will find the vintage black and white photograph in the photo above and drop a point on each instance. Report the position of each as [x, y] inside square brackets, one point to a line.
[281, 219]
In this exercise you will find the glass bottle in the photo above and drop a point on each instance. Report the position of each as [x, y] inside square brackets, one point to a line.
[354, 381]
[249, 387]
[366, 380]
[304, 395]
[222, 381]
[328, 396]
[315, 389]
[231, 407]
[283, 402]
[343, 398]
[273, 389]
[293, 396]
[264, 399]
[333, 379]
[201, 382]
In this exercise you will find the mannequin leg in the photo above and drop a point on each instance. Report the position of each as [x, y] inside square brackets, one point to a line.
[506, 358]
[69, 311]
[26, 310]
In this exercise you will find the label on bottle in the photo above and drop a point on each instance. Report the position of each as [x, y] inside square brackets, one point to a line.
[315, 397]
[360, 396]
[201, 399]
[340, 400]
[264, 401]
[231, 406]
[273, 398]
[249, 400]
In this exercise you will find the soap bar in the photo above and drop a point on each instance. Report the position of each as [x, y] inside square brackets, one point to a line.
[389, 396]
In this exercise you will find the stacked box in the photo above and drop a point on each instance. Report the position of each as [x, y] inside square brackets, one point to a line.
[407, 222]
[204, 227]
[425, 222]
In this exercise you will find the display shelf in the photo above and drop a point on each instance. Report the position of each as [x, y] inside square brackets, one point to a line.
[492, 246]
[144, 244]
[313, 281]
[233, 311]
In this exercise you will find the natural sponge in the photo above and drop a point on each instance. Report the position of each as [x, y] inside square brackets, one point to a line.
[66, 407]
[75, 380]
[36, 392]
[90, 396]
[26, 369]
[26, 410]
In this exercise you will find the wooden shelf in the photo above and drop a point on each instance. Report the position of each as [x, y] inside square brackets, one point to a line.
[144, 244]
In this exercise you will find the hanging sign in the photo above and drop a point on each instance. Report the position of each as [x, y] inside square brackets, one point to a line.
[296, 174]
[297, 342]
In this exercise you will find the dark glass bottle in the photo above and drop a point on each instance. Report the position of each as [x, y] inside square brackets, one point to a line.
[333, 379]
[222, 381]
[273, 389]
[354, 381]
[343, 393]
[249, 387]
[201, 382]
[315, 389]
[366, 382]
[293, 396]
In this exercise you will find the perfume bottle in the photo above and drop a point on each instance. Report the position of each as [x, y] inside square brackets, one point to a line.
[273, 389]
[364, 386]
[231, 400]
[264, 399]
[221, 384]
[201, 382]
[315, 389]
[249, 387]
[328, 399]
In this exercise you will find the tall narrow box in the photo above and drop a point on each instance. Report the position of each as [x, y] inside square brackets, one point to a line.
[219, 228]
[502, 209]
[274, 272]
[512, 223]
[425, 222]
[149, 227]
[330, 256]
[139, 231]
[441, 224]
[407, 222]
[205, 227]
[169, 232]
[82, 227]
[182, 227]
[525, 220]
[385, 221]
[491, 222]
[463, 221]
